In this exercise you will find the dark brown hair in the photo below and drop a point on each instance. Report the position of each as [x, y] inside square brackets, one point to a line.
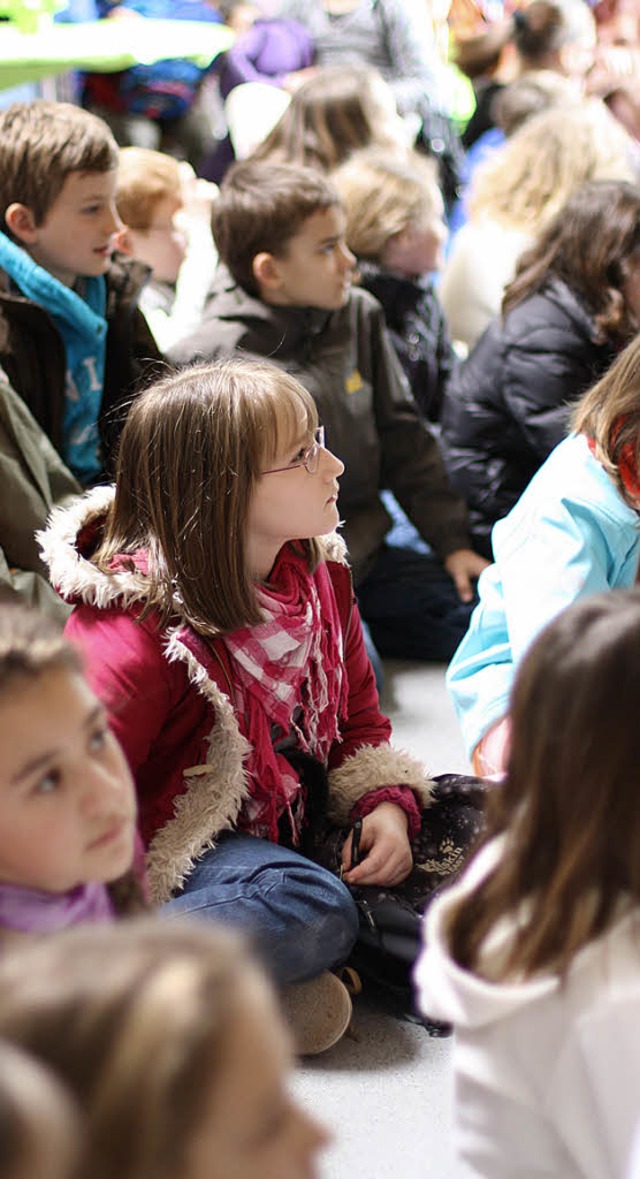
[568, 808]
[590, 244]
[134, 1018]
[260, 208]
[191, 451]
[41, 143]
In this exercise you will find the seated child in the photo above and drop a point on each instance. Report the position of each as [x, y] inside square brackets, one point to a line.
[573, 532]
[535, 954]
[166, 213]
[396, 230]
[284, 292]
[215, 609]
[67, 809]
[39, 1124]
[72, 341]
[169, 1038]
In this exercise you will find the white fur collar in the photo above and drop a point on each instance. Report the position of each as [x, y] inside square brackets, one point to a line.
[77, 580]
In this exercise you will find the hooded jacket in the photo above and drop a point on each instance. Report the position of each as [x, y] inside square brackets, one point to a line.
[32, 353]
[346, 360]
[508, 405]
[418, 329]
[170, 696]
[546, 1070]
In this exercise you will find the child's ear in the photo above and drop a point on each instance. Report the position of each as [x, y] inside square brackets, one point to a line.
[22, 223]
[266, 272]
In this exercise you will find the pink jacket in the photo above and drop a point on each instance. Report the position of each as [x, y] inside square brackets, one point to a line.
[170, 697]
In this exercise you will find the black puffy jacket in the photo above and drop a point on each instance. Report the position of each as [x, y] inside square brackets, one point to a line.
[508, 404]
[418, 329]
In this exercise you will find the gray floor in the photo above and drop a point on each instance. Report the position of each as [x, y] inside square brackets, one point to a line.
[386, 1094]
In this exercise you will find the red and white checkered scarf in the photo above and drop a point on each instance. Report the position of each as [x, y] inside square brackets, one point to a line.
[289, 681]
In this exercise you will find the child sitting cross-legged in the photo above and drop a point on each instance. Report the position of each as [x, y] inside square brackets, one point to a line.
[67, 804]
[216, 611]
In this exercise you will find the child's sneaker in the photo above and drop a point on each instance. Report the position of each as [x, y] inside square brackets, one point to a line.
[318, 1012]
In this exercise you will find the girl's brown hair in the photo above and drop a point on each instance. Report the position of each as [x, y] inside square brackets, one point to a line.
[134, 1019]
[191, 451]
[591, 244]
[333, 113]
[568, 809]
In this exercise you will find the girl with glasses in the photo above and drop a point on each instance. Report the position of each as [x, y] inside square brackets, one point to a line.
[215, 607]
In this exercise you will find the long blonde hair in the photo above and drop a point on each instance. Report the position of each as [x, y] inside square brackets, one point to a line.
[529, 179]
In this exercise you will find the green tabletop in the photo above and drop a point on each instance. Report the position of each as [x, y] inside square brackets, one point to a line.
[104, 46]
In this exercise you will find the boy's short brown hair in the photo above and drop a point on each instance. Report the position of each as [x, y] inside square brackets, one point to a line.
[261, 207]
[41, 143]
[145, 179]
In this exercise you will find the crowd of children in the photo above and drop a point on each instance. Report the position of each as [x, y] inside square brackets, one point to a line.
[243, 457]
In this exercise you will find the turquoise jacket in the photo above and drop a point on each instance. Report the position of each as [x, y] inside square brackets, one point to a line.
[570, 534]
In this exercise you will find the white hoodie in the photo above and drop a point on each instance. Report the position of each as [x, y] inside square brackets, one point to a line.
[547, 1075]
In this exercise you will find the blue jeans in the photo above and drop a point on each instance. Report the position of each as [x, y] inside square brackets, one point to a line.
[301, 919]
[411, 606]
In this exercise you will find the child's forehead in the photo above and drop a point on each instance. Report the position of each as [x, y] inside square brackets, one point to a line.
[321, 225]
[78, 185]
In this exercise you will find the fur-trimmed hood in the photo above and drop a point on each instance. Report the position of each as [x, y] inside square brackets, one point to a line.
[70, 537]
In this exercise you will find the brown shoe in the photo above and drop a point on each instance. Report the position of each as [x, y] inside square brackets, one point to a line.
[318, 1012]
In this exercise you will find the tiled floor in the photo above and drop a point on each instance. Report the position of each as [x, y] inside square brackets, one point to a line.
[387, 1094]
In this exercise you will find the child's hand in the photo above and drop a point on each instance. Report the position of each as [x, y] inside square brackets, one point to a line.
[465, 566]
[385, 847]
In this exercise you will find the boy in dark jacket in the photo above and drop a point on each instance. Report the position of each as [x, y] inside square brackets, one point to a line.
[72, 341]
[284, 293]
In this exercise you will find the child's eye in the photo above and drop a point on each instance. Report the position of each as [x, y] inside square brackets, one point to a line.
[48, 783]
[300, 455]
[91, 209]
[98, 739]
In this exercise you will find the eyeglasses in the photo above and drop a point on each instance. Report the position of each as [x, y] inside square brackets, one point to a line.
[309, 459]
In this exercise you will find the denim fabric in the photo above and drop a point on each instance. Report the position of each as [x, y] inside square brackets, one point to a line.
[411, 606]
[301, 919]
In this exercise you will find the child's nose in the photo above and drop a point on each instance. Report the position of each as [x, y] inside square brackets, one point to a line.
[333, 466]
[349, 259]
[112, 219]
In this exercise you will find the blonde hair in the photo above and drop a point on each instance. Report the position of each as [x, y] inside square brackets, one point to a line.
[191, 451]
[145, 179]
[529, 179]
[135, 1019]
[383, 196]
